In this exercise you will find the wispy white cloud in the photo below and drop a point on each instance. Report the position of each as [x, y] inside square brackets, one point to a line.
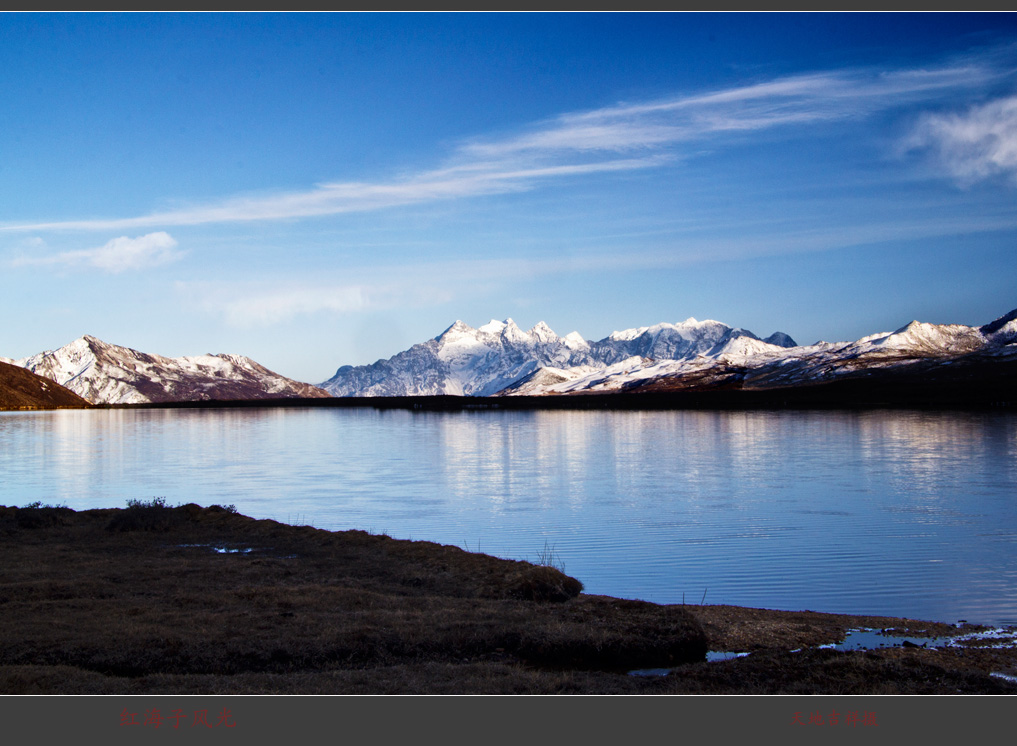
[628, 136]
[251, 305]
[274, 305]
[979, 143]
[345, 197]
[117, 255]
[790, 100]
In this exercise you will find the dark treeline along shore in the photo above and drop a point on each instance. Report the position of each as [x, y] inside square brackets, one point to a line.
[154, 599]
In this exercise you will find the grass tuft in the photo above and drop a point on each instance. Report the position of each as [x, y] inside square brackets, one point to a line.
[147, 515]
[155, 502]
[547, 557]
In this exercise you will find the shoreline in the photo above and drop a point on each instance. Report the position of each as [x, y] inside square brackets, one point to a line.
[154, 599]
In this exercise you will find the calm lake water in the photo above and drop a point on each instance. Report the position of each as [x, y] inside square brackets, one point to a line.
[898, 513]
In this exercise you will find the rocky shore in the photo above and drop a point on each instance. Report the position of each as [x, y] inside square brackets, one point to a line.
[153, 599]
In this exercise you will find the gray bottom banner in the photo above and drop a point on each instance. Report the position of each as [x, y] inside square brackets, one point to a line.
[486, 720]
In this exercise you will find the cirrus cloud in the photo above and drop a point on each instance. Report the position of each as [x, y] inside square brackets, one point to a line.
[622, 137]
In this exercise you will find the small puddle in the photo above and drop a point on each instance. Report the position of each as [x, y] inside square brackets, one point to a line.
[712, 655]
[650, 672]
[221, 550]
[718, 655]
[874, 639]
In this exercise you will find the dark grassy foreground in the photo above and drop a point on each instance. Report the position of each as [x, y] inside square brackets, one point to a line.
[138, 601]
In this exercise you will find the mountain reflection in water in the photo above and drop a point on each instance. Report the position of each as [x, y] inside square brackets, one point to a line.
[883, 512]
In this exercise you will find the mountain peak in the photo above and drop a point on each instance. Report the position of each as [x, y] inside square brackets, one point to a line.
[543, 332]
[459, 326]
[104, 373]
[575, 340]
[781, 340]
[912, 325]
[492, 327]
[92, 342]
[994, 326]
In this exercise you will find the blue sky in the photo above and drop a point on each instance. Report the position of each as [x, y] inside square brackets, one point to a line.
[314, 190]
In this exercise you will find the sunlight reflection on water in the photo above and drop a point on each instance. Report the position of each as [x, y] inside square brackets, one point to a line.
[896, 513]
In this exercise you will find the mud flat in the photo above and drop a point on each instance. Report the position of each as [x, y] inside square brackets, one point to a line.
[153, 599]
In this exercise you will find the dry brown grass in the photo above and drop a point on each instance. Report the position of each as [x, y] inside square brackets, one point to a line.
[141, 593]
[137, 601]
[885, 671]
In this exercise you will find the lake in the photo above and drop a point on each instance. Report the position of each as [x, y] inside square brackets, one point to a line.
[884, 512]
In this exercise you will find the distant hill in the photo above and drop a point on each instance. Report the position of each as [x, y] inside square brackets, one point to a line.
[105, 373]
[22, 389]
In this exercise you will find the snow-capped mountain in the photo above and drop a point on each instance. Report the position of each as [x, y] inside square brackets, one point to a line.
[487, 360]
[104, 373]
[463, 361]
[501, 359]
[748, 364]
[681, 341]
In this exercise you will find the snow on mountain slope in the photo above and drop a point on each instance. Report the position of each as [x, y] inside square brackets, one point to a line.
[912, 343]
[933, 339]
[499, 356]
[745, 362]
[543, 378]
[1002, 331]
[673, 341]
[104, 373]
[463, 361]
[713, 367]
